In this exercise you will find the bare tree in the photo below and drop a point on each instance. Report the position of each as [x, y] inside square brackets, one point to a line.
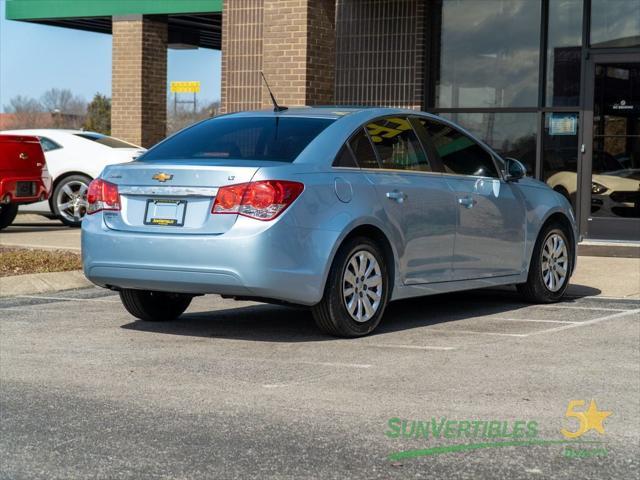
[26, 112]
[62, 100]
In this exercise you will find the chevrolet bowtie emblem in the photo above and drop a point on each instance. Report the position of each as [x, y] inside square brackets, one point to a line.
[162, 177]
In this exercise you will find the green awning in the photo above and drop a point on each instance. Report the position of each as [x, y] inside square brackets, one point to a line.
[196, 22]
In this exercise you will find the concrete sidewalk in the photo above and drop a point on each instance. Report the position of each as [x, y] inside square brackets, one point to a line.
[606, 277]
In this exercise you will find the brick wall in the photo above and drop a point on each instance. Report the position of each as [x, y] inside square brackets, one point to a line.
[139, 79]
[241, 55]
[291, 41]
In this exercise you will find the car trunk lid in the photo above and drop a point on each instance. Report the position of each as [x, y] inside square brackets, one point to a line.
[21, 156]
[174, 197]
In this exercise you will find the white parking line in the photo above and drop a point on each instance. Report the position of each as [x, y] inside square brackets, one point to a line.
[474, 332]
[569, 307]
[533, 320]
[408, 347]
[588, 322]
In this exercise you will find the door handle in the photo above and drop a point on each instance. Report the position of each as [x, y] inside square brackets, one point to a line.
[397, 196]
[467, 202]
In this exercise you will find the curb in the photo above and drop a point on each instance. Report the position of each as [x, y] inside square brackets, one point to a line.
[42, 283]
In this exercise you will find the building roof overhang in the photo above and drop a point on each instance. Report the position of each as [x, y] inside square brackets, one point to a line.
[190, 22]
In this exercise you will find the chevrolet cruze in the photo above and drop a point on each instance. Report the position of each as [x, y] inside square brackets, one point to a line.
[339, 209]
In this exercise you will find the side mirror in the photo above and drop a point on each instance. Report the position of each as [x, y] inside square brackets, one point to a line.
[515, 170]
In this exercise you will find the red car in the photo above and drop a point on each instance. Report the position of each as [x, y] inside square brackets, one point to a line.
[24, 177]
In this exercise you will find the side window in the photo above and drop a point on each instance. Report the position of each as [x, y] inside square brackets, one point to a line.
[362, 149]
[345, 158]
[48, 145]
[397, 144]
[460, 154]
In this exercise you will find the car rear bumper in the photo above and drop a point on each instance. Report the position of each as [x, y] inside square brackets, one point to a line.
[272, 260]
[9, 192]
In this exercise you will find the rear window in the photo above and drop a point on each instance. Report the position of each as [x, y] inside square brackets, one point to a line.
[105, 140]
[278, 139]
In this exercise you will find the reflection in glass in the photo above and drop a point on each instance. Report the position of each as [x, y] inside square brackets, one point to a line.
[509, 134]
[615, 189]
[615, 23]
[560, 153]
[564, 42]
[489, 53]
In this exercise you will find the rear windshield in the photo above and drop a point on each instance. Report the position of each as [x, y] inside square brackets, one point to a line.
[106, 140]
[278, 139]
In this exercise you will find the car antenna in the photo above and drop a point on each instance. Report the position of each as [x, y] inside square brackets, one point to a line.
[276, 107]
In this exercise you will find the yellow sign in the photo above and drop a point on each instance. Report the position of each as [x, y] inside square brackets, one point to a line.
[185, 87]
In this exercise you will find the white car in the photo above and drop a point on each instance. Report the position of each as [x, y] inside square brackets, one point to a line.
[615, 193]
[74, 158]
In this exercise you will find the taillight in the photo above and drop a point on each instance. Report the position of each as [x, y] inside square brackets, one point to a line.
[102, 196]
[263, 200]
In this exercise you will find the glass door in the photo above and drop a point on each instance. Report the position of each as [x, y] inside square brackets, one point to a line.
[610, 198]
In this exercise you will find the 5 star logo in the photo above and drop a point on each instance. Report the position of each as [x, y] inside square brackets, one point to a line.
[590, 419]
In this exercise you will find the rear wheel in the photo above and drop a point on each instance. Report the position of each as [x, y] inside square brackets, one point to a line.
[551, 266]
[154, 306]
[69, 199]
[356, 292]
[8, 212]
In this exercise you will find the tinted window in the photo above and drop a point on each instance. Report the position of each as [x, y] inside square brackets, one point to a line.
[459, 153]
[48, 145]
[345, 158]
[397, 144]
[509, 134]
[278, 139]
[105, 140]
[363, 151]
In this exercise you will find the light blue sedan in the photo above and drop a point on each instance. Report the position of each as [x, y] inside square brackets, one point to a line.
[340, 209]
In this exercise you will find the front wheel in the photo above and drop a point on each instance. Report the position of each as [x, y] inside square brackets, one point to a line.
[551, 266]
[356, 292]
[8, 212]
[154, 306]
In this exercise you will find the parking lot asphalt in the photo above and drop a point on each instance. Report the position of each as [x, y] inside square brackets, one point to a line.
[246, 390]
[36, 231]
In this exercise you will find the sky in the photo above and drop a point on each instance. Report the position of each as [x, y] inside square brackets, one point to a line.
[35, 58]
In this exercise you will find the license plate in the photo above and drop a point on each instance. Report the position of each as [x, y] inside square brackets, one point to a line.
[25, 189]
[165, 213]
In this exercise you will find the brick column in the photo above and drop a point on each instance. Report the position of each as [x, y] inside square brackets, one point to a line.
[291, 41]
[139, 79]
[241, 55]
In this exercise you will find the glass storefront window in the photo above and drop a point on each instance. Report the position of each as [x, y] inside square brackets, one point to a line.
[564, 42]
[489, 53]
[615, 23]
[509, 134]
[560, 153]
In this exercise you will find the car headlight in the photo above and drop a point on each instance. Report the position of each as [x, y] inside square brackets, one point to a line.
[597, 189]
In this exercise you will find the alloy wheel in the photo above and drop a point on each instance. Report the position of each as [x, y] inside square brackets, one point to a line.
[72, 200]
[555, 262]
[362, 286]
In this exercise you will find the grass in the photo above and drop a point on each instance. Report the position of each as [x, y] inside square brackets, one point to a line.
[20, 261]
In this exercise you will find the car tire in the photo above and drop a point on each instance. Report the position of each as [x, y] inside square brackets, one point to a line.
[552, 255]
[70, 190]
[8, 212]
[332, 315]
[154, 306]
